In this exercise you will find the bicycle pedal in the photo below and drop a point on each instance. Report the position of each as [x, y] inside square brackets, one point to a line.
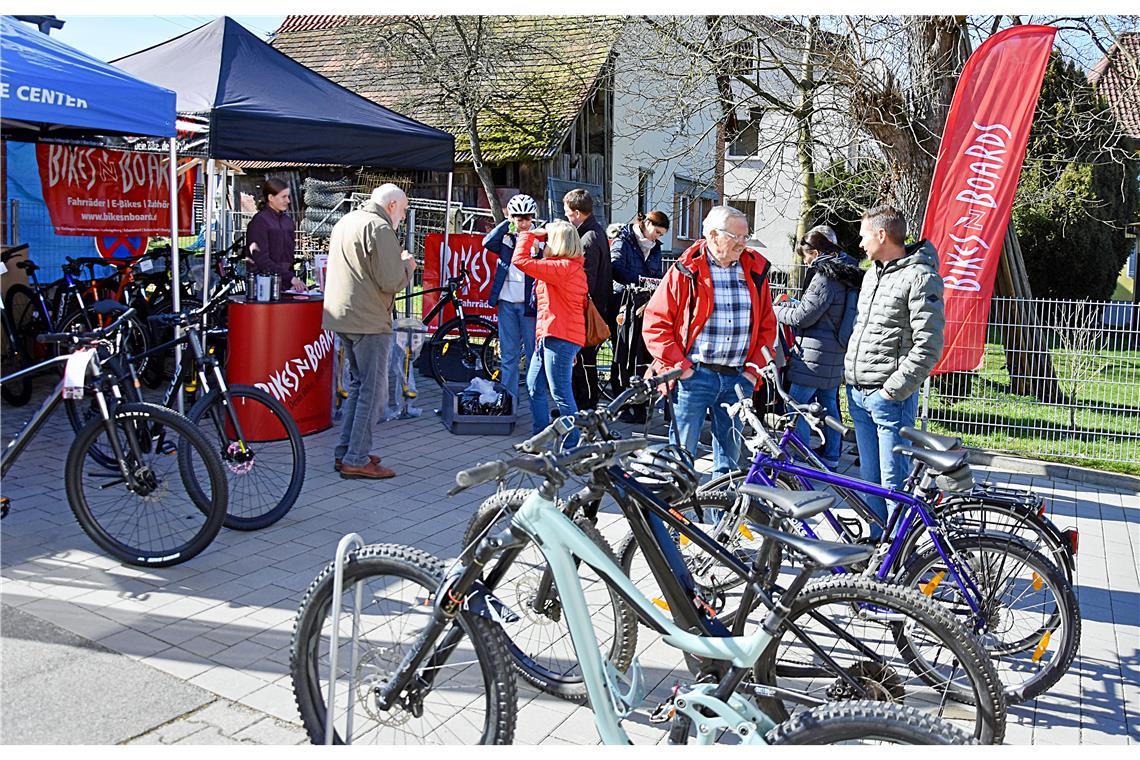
[664, 712]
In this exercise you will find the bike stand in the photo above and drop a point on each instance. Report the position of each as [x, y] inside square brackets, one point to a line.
[347, 543]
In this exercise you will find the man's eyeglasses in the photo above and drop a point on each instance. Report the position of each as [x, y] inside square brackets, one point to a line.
[739, 241]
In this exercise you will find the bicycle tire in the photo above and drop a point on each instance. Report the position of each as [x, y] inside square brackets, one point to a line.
[187, 527]
[1011, 657]
[543, 661]
[424, 572]
[844, 722]
[15, 392]
[479, 358]
[729, 481]
[29, 320]
[249, 506]
[906, 621]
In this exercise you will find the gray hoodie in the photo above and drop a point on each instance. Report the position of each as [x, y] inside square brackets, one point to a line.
[898, 334]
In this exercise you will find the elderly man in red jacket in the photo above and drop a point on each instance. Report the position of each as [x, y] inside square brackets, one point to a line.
[712, 316]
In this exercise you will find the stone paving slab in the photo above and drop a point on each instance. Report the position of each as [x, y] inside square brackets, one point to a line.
[221, 624]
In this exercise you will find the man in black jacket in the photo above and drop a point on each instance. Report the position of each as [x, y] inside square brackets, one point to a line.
[579, 208]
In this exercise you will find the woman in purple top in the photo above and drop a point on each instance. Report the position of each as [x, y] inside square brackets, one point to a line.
[271, 235]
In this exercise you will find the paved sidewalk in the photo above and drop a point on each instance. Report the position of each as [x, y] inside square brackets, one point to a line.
[219, 626]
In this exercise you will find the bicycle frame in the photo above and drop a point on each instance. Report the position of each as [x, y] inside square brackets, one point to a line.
[904, 518]
[32, 426]
[561, 543]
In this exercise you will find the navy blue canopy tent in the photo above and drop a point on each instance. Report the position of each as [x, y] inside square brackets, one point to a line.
[49, 89]
[264, 106]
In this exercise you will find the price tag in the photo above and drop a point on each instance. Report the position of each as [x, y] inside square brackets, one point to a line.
[75, 376]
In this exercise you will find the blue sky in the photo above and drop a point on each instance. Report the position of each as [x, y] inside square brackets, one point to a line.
[108, 37]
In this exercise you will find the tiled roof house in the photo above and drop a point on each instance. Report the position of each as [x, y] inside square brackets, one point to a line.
[551, 121]
[1117, 79]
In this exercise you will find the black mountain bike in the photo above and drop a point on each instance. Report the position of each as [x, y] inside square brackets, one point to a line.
[464, 347]
[866, 639]
[254, 434]
[142, 511]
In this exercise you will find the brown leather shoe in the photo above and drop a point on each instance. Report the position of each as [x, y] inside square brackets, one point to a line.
[372, 458]
[371, 470]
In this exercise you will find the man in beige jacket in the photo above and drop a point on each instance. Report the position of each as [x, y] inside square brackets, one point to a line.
[367, 268]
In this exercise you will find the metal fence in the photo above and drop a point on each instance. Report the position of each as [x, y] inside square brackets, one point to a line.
[1057, 381]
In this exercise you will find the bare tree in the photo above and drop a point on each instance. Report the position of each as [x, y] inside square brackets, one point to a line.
[485, 77]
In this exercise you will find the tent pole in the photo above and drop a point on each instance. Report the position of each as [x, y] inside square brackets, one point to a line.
[211, 191]
[446, 252]
[176, 261]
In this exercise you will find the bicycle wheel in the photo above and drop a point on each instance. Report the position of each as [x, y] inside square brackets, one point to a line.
[717, 514]
[265, 468]
[1029, 623]
[27, 319]
[539, 641]
[159, 523]
[887, 644]
[865, 722]
[15, 392]
[729, 481]
[473, 699]
[454, 360]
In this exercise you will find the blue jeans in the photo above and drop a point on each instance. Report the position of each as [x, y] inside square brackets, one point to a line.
[877, 421]
[828, 398]
[551, 373]
[516, 330]
[367, 358]
[705, 391]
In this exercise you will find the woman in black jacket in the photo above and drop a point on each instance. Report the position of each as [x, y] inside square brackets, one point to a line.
[822, 319]
[636, 251]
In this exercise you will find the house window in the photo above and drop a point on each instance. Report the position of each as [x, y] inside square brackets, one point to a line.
[682, 213]
[746, 141]
[644, 183]
[692, 203]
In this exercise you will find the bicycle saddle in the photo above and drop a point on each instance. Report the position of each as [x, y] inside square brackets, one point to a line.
[937, 461]
[930, 440]
[823, 554]
[107, 307]
[797, 504]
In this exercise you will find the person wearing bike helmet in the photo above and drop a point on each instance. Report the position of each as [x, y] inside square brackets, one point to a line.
[512, 292]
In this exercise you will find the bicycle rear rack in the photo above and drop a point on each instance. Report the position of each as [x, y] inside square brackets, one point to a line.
[347, 543]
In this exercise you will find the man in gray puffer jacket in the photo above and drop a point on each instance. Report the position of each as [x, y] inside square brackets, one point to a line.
[815, 367]
[896, 342]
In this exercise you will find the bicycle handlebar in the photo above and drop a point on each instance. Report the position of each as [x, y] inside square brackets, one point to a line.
[588, 419]
[86, 337]
[547, 465]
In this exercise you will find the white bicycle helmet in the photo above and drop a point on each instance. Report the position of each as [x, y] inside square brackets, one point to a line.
[522, 205]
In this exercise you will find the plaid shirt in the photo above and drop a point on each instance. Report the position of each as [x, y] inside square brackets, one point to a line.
[724, 339]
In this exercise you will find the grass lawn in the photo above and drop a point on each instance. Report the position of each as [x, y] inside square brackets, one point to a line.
[1098, 426]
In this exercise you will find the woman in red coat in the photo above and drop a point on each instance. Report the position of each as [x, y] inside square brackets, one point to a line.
[560, 291]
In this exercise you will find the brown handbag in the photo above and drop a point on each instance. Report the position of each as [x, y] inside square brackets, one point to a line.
[596, 328]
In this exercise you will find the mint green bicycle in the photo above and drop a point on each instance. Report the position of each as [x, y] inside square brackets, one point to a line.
[424, 660]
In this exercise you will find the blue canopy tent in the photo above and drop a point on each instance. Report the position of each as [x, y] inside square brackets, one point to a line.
[261, 105]
[49, 90]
